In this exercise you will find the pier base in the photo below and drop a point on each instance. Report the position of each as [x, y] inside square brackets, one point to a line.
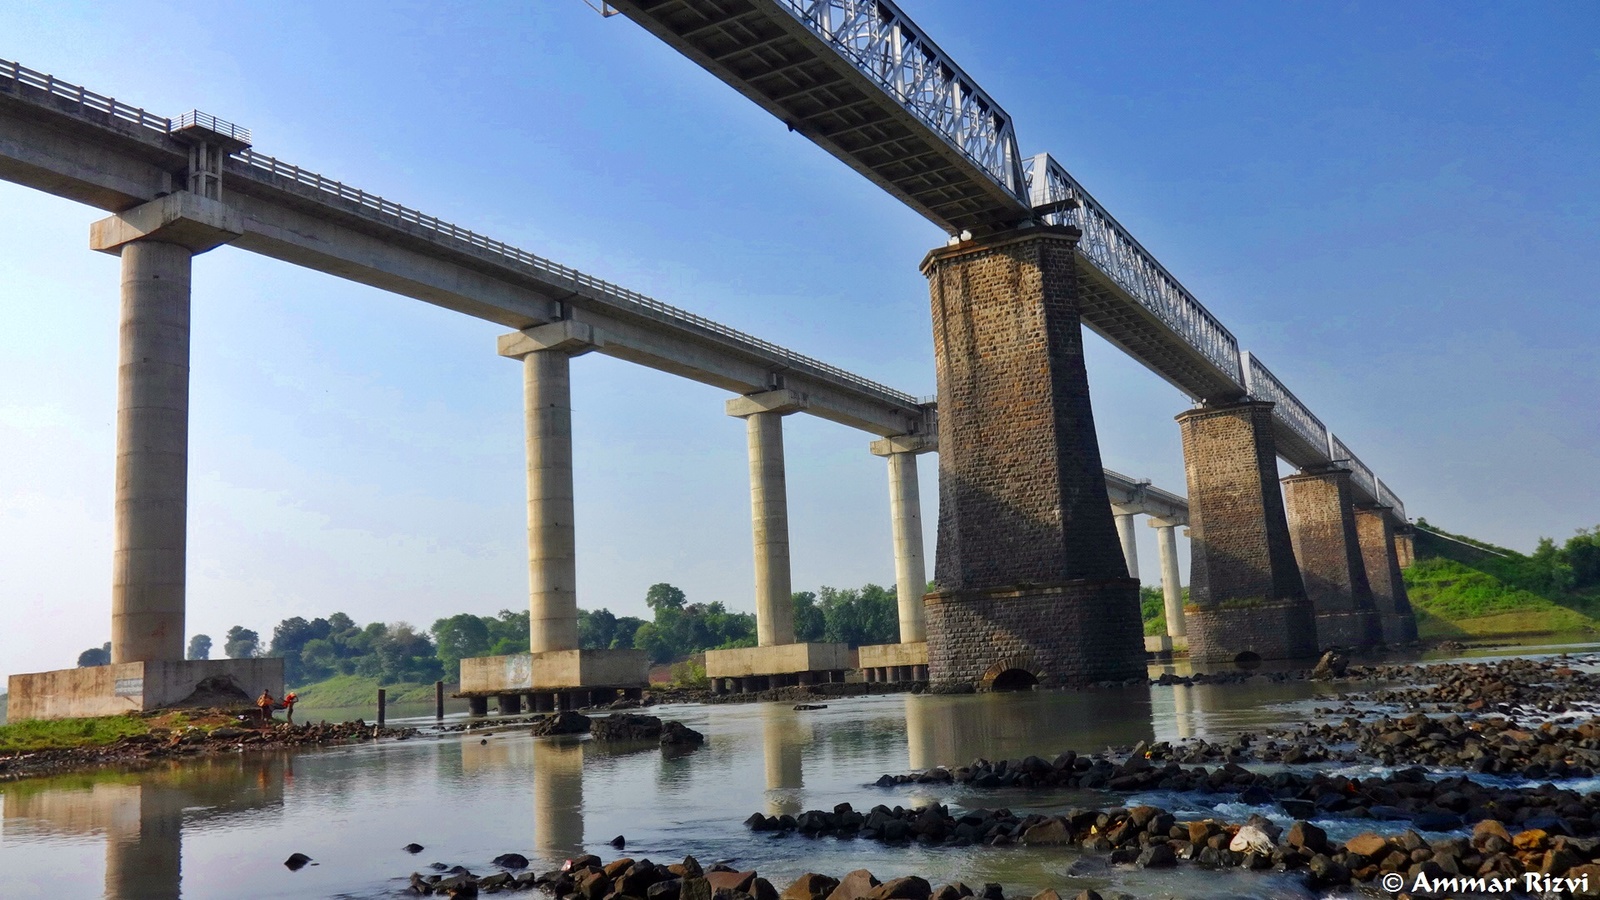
[554, 679]
[751, 669]
[139, 687]
[894, 662]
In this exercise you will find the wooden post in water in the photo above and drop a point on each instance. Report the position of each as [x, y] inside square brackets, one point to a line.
[383, 701]
[438, 700]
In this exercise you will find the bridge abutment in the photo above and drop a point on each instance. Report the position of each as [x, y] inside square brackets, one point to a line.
[1246, 599]
[1322, 527]
[1379, 542]
[1032, 583]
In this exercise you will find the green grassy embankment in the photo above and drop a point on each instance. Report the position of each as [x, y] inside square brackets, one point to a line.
[1484, 592]
[36, 734]
[353, 691]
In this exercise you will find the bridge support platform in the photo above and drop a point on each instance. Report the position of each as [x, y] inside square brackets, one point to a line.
[1322, 527]
[1032, 585]
[553, 680]
[140, 687]
[892, 663]
[1246, 600]
[1379, 546]
[750, 669]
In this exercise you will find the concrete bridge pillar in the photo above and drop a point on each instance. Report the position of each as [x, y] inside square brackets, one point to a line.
[546, 353]
[769, 509]
[1322, 526]
[1375, 531]
[1125, 535]
[1246, 599]
[905, 514]
[1171, 586]
[1032, 585]
[157, 242]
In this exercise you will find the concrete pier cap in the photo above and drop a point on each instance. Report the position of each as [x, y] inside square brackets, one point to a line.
[188, 220]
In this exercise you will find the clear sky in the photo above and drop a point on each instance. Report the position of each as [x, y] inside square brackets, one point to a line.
[1394, 205]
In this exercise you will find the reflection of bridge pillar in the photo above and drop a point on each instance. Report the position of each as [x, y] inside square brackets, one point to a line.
[783, 746]
[1125, 535]
[1322, 525]
[1375, 531]
[146, 861]
[557, 798]
[1171, 581]
[1245, 593]
[157, 243]
[1029, 572]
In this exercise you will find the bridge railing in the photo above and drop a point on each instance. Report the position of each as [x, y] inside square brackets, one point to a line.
[86, 99]
[1261, 384]
[1387, 498]
[1124, 260]
[1359, 473]
[883, 44]
[606, 291]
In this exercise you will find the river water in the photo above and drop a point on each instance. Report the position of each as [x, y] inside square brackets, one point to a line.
[223, 825]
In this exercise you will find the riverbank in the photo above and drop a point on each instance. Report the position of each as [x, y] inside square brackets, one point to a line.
[32, 749]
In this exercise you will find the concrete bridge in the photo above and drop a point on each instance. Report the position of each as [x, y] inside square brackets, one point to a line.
[1033, 584]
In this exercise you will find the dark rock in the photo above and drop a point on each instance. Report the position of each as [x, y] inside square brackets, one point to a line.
[733, 881]
[296, 861]
[510, 861]
[910, 887]
[619, 842]
[564, 722]
[1156, 856]
[1308, 837]
[625, 727]
[412, 848]
[677, 734]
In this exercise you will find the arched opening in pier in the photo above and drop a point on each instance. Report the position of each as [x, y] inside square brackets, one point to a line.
[1014, 680]
[1247, 660]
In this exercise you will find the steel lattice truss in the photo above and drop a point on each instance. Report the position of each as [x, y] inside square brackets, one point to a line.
[1360, 476]
[1286, 407]
[883, 44]
[1114, 252]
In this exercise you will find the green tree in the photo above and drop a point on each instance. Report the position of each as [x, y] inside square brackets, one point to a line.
[200, 646]
[810, 624]
[855, 617]
[664, 596]
[1583, 555]
[459, 637]
[596, 629]
[242, 643]
[95, 656]
[319, 659]
[1550, 567]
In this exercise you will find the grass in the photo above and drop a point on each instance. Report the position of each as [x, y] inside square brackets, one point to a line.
[354, 691]
[1454, 600]
[44, 735]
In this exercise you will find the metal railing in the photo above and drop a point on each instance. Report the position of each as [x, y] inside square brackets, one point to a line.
[86, 99]
[1362, 476]
[379, 208]
[194, 118]
[1387, 498]
[587, 285]
[1261, 384]
[886, 46]
[1115, 252]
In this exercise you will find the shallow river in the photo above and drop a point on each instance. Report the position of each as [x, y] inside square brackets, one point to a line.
[222, 826]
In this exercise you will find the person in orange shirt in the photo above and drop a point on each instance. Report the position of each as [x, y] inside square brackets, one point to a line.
[265, 703]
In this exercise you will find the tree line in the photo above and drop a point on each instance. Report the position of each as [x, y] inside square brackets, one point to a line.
[398, 652]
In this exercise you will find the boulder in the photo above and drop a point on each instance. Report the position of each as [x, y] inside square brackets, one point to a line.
[677, 734]
[509, 860]
[1251, 839]
[1372, 846]
[810, 886]
[854, 886]
[564, 722]
[625, 727]
[296, 861]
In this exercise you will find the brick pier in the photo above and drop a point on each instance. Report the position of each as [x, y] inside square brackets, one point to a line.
[1322, 524]
[1032, 582]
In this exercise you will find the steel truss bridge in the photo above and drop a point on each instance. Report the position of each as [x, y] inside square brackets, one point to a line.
[864, 82]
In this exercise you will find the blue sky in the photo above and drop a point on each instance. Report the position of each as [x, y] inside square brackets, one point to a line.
[1394, 205]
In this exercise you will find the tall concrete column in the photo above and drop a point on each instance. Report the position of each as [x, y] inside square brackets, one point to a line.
[1322, 527]
[546, 354]
[1171, 588]
[1032, 583]
[769, 510]
[157, 242]
[1246, 599]
[1130, 547]
[905, 514]
[1375, 531]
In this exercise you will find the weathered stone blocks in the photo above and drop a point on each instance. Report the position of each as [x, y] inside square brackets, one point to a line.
[1322, 526]
[1028, 560]
[1245, 592]
[1375, 530]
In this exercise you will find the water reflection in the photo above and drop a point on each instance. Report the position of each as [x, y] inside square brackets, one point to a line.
[784, 742]
[955, 730]
[557, 769]
[143, 816]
